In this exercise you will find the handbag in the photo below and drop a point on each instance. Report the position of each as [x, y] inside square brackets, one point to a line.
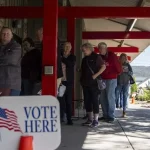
[100, 83]
[132, 81]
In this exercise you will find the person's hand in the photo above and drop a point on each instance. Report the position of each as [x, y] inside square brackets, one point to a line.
[94, 77]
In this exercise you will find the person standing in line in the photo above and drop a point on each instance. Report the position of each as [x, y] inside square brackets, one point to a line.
[119, 100]
[15, 36]
[124, 81]
[68, 63]
[10, 68]
[91, 69]
[39, 45]
[113, 69]
[30, 67]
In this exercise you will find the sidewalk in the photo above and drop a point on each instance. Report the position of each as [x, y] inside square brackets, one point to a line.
[132, 133]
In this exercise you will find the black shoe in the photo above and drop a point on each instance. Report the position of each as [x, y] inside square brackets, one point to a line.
[110, 120]
[102, 119]
[69, 122]
[87, 123]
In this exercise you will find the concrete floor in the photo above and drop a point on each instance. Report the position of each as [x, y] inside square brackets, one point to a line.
[132, 133]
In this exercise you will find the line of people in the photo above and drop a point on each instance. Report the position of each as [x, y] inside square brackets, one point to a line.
[17, 68]
[21, 64]
[116, 73]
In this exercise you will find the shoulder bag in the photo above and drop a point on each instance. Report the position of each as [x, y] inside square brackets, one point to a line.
[100, 83]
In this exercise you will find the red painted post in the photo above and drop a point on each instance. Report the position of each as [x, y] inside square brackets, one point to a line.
[71, 38]
[50, 46]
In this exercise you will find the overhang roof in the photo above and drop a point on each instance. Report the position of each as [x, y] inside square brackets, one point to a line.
[117, 24]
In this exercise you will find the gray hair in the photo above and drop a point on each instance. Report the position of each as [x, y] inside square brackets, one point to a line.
[102, 44]
[88, 45]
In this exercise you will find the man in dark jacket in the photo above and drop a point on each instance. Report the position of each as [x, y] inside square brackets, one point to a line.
[39, 45]
[10, 70]
[113, 69]
[68, 63]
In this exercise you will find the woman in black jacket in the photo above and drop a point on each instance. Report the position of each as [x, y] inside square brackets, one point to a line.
[91, 63]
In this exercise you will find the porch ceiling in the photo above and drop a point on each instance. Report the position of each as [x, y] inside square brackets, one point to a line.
[116, 24]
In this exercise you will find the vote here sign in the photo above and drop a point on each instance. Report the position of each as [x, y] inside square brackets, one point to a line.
[38, 116]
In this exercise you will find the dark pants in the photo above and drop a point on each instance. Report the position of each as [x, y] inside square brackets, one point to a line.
[91, 99]
[66, 103]
[27, 87]
[30, 88]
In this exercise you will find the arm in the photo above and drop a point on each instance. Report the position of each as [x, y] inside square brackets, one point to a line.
[69, 62]
[12, 57]
[100, 64]
[102, 69]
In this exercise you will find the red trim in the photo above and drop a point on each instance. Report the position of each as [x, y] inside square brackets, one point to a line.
[49, 82]
[76, 12]
[116, 35]
[21, 12]
[121, 49]
[102, 12]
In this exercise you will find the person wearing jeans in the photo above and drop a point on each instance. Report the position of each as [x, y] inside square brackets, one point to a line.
[91, 69]
[10, 68]
[124, 82]
[119, 99]
[113, 69]
[108, 99]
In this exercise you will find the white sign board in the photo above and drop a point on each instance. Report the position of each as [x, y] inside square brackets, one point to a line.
[37, 116]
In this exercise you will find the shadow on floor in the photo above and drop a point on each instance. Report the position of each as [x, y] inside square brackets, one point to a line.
[126, 134]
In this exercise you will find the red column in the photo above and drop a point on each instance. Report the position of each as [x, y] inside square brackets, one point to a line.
[71, 38]
[50, 46]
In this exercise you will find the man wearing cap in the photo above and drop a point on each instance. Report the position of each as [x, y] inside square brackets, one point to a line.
[113, 69]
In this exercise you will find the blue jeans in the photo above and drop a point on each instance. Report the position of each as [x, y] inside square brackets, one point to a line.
[125, 90]
[119, 98]
[14, 92]
[108, 98]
